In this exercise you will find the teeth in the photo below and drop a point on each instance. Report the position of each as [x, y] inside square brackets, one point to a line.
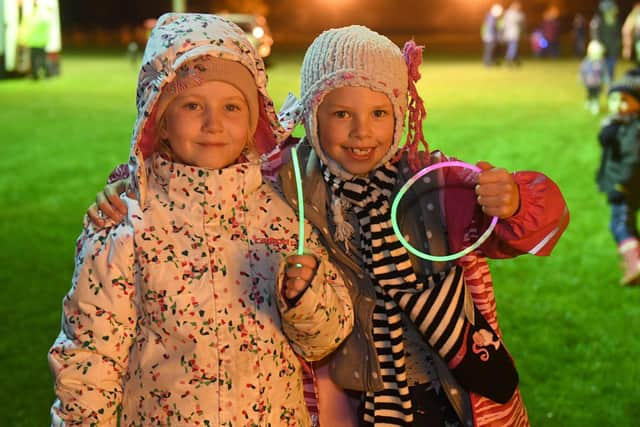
[361, 151]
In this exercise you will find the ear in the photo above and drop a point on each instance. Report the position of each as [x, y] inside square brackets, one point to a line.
[161, 129]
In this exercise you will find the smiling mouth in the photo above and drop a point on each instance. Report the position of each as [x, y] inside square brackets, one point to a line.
[360, 151]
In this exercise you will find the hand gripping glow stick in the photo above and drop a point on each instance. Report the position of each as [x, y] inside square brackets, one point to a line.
[296, 170]
[402, 192]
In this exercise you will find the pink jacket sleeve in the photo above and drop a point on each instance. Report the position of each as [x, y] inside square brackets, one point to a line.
[535, 228]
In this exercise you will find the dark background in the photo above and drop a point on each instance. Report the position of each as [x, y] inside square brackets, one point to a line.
[297, 22]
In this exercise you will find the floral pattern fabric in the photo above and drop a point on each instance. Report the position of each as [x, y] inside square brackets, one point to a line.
[175, 317]
[173, 314]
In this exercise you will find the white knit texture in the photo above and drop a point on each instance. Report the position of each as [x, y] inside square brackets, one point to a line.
[352, 56]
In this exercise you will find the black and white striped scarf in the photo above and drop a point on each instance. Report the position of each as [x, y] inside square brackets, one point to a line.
[434, 303]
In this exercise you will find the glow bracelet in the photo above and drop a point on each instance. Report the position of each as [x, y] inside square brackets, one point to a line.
[402, 192]
[296, 170]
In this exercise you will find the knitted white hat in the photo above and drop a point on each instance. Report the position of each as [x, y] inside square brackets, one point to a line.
[352, 56]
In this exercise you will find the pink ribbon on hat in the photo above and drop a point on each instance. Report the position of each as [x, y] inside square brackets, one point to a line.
[413, 57]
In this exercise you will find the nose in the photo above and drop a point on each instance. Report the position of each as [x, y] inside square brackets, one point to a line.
[212, 121]
[361, 127]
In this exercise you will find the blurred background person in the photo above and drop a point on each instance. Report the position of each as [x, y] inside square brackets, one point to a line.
[631, 34]
[133, 53]
[605, 27]
[512, 27]
[593, 73]
[491, 34]
[551, 31]
[537, 42]
[579, 27]
[138, 40]
[619, 173]
[35, 30]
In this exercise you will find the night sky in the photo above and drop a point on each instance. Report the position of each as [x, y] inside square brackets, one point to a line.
[110, 13]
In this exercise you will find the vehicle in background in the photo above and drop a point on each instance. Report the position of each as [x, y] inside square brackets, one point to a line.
[257, 30]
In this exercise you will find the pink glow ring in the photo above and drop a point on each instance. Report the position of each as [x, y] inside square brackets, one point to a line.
[403, 191]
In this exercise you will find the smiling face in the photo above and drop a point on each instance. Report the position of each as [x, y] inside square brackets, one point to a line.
[355, 127]
[207, 125]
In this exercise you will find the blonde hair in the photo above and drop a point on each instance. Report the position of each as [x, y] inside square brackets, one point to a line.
[162, 145]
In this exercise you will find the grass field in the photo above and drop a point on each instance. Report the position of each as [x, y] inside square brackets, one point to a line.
[571, 328]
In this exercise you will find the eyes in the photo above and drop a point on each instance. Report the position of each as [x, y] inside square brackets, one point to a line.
[230, 107]
[192, 106]
[378, 113]
[381, 113]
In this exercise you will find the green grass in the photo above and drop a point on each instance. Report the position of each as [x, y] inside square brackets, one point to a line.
[571, 328]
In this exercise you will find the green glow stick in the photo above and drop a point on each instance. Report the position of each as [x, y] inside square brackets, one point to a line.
[296, 170]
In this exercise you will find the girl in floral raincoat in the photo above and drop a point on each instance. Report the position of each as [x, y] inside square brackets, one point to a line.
[178, 314]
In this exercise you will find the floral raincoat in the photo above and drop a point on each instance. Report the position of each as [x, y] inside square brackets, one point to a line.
[175, 316]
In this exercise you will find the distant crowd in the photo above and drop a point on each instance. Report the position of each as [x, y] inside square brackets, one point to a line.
[503, 30]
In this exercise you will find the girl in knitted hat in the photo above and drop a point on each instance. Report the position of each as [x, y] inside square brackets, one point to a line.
[422, 328]
[426, 348]
[190, 311]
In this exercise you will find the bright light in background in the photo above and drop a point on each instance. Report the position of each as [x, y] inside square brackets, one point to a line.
[333, 6]
[258, 32]
[459, 16]
[334, 3]
[323, 14]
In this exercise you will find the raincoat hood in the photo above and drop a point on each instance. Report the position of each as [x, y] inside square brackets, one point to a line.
[176, 39]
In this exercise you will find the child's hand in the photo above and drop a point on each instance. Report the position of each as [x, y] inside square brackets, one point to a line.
[497, 191]
[299, 272]
[109, 203]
